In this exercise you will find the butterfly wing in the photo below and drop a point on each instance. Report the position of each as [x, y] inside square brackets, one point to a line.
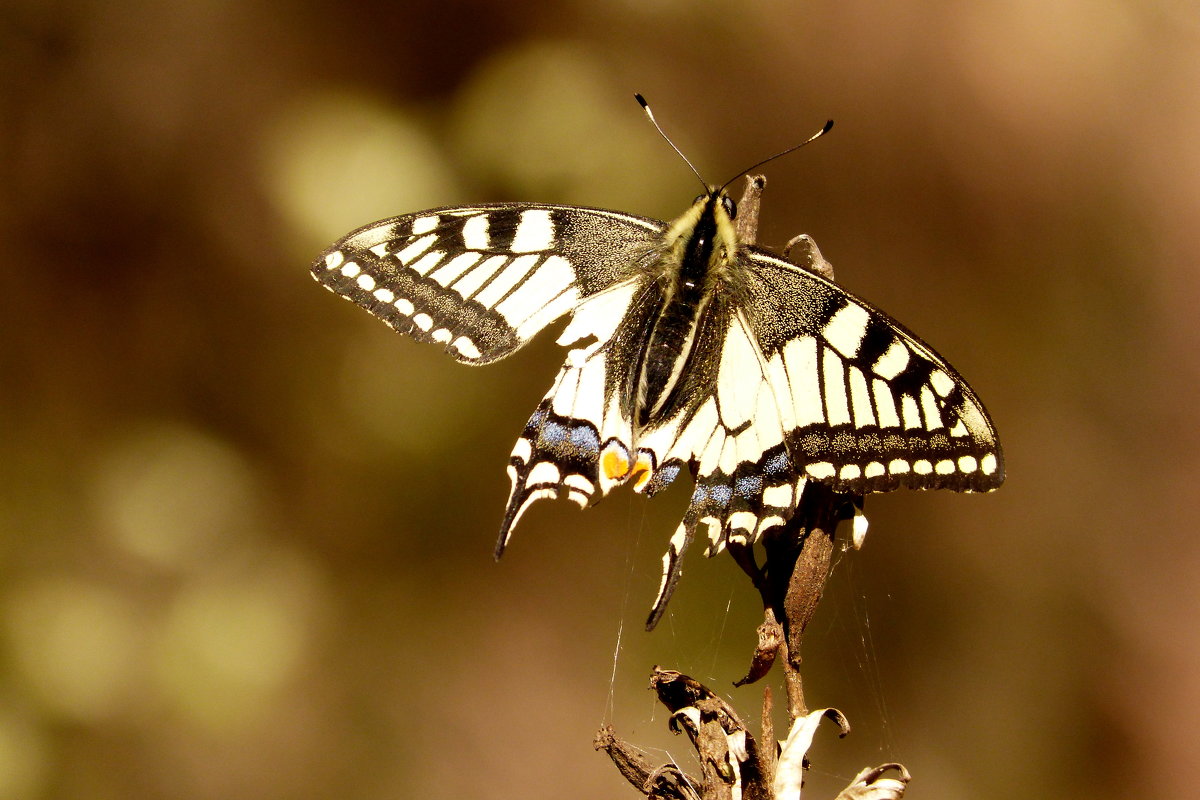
[866, 405]
[579, 440]
[794, 381]
[482, 280]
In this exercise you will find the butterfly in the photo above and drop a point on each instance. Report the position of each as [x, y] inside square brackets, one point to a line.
[689, 349]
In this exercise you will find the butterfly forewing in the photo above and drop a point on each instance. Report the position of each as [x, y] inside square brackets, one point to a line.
[482, 280]
[874, 407]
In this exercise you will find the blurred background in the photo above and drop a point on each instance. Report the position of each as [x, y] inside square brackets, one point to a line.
[246, 530]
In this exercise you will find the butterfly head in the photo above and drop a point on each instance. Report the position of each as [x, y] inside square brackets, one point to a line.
[704, 236]
[720, 199]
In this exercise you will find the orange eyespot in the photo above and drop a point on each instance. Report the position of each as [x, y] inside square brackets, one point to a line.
[615, 465]
[641, 474]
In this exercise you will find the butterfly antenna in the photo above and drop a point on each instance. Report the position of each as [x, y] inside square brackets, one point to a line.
[646, 107]
[780, 154]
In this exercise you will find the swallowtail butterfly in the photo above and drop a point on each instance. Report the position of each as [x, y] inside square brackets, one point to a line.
[690, 349]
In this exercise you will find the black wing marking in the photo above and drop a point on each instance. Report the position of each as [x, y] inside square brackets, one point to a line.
[483, 280]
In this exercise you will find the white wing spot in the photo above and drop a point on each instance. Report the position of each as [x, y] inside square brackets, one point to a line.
[886, 404]
[449, 272]
[351, 269]
[778, 496]
[423, 321]
[971, 415]
[736, 377]
[334, 259]
[898, 466]
[846, 329]
[800, 361]
[714, 532]
[987, 464]
[384, 295]
[780, 392]
[967, 464]
[597, 316]
[522, 450]
[507, 279]
[535, 232]
[711, 454]
[944, 467]
[860, 398]
[551, 311]
[836, 404]
[543, 472]
[942, 383]
[415, 249]
[874, 470]
[427, 262]
[922, 467]
[581, 391]
[380, 249]
[912, 414]
[582, 484]
[667, 559]
[526, 301]
[859, 534]
[404, 306]
[767, 419]
[441, 335]
[424, 224]
[892, 362]
[466, 347]
[821, 470]
[475, 232]
[728, 461]
[366, 282]
[850, 472]
[743, 520]
[933, 417]
[478, 275]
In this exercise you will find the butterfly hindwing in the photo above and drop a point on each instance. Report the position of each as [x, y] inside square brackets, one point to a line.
[482, 280]
[577, 443]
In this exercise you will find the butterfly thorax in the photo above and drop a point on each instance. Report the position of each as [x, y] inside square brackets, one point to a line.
[698, 248]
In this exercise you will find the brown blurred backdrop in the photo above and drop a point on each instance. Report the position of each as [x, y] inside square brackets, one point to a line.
[246, 531]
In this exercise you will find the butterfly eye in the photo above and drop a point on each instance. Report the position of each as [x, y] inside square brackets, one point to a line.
[699, 198]
[729, 206]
